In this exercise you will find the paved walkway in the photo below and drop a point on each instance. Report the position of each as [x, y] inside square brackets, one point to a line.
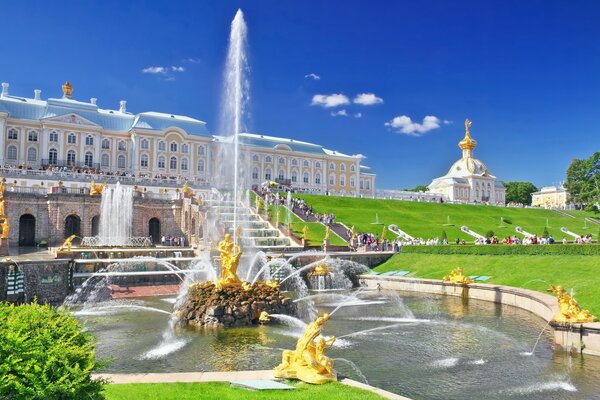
[224, 377]
[336, 227]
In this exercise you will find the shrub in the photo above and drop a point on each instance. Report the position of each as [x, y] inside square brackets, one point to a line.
[545, 234]
[44, 354]
[489, 234]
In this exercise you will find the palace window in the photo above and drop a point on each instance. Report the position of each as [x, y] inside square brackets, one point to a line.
[53, 137]
[105, 144]
[268, 174]
[343, 180]
[89, 159]
[52, 157]
[13, 134]
[294, 162]
[305, 163]
[122, 146]
[144, 161]
[343, 167]
[32, 136]
[184, 164]
[161, 146]
[281, 174]
[352, 182]
[173, 163]
[161, 162]
[201, 166]
[121, 162]
[332, 179]
[174, 147]
[368, 184]
[268, 159]
[318, 179]
[255, 158]
[305, 177]
[331, 166]
[361, 185]
[71, 156]
[31, 154]
[104, 160]
[318, 165]
[145, 144]
[281, 160]
[89, 140]
[72, 138]
[254, 173]
[200, 150]
[352, 168]
[184, 148]
[294, 176]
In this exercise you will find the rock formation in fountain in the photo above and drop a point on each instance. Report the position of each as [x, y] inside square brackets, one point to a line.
[231, 302]
[308, 361]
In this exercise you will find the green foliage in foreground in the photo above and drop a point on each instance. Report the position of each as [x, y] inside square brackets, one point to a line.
[530, 272]
[224, 391]
[428, 220]
[502, 249]
[45, 355]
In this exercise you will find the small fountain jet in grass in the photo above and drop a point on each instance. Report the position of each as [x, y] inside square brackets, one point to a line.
[569, 310]
[457, 276]
[308, 362]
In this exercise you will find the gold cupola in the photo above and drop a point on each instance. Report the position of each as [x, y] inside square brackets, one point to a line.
[467, 144]
[67, 90]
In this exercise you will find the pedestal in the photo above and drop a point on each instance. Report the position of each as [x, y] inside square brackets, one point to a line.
[3, 246]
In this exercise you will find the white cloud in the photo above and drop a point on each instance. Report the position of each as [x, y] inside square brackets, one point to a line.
[176, 68]
[312, 76]
[446, 122]
[367, 99]
[331, 100]
[193, 60]
[404, 124]
[155, 70]
[341, 113]
[358, 115]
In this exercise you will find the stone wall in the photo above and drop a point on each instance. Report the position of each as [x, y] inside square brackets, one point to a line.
[177, 217]
[48, 282]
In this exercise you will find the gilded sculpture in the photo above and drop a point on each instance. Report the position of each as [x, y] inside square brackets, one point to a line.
[457, 276]
[569, 310]
[187, 191]
[322, 269]
[97, 189]
[308, 362]
[68, 243]
[230, 258]
[327, 232]
[305, 233]
[5, 227]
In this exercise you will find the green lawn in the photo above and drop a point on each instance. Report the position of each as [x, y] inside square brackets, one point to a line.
[427, 220]
[578, 272]
[224, 391]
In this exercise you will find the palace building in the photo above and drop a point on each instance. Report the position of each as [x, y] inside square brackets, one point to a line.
[468, 180]
[63, 133]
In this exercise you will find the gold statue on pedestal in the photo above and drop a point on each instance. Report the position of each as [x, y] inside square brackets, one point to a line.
[308, 362]
[569, 310]
[187, 191]
[457, 276]
[259, 203]
[3, 217]
[327, 232]
[5, 227]
[323, 269]
[230, 258]
[68, 243]
[95, 189]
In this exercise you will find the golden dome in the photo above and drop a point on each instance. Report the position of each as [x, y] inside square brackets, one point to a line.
[67, 90]
[467, 143]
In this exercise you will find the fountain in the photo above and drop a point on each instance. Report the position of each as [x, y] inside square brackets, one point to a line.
[569, 310]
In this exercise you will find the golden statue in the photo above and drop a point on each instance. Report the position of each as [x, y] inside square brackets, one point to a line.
[353, 233]
[308, 362]
[199, 200]
[457, 276]
[569, 310]
[2, 207]
[2, 187]
[5, 227]
[277, 218]
[327, 232]
[230, 258]
[67, 243]
[264, 317]
[383, 232]
[322, 269]
[467, 143]
[305, 231]
[67, 90]
[187, 191]
[95, 189]
[259, 203]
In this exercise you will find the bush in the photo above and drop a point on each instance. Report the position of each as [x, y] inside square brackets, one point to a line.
[44, 354]
[489, 234]
[502, 249]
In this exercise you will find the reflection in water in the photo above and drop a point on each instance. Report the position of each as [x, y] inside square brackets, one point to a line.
[233, 349]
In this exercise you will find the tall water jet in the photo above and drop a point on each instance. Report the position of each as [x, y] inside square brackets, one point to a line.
[116, 216]
[235, 98]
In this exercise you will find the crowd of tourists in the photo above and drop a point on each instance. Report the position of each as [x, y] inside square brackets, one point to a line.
[174, 241]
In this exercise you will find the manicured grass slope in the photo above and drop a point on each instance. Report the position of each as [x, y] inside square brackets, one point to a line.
[582, 273]
[224, 391]
[427, 220]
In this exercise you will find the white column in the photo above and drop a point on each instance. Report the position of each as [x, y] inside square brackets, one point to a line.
[154, 143]
[133, 165]
[44, 136]
[22, 158]
[97, 146]
[2, 140]
[113, 149]
[81, 138]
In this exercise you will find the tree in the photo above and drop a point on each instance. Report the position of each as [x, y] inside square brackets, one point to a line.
[519, 192]
[583, 182]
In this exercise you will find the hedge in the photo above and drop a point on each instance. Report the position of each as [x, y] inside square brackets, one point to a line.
[44, 354]
[501, 249]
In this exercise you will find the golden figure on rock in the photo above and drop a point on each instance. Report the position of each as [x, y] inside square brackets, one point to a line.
[308, 362]
[68, 243]
[187, 191]
[569, 310]
[97, 189]
[322, 269]
[264, 317]
[5, 227]
[457, 276]
[230, 258]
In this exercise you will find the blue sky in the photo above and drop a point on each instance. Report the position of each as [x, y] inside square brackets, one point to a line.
[525, 72]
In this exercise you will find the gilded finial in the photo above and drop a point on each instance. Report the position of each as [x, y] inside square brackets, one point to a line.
[467, 143]
[67, 90]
